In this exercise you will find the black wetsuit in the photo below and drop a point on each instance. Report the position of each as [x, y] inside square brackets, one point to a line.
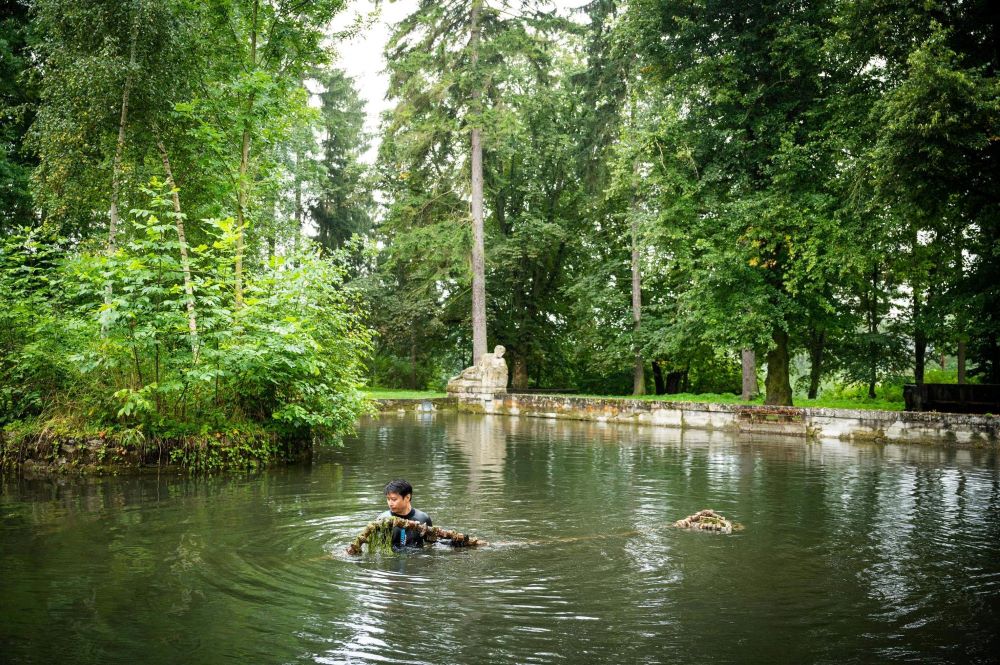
[407, 537]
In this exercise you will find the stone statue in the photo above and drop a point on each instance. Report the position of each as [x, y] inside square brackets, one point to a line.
[486, 377]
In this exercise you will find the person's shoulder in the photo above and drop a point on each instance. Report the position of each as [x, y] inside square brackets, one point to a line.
[384, 515]
[421, 516]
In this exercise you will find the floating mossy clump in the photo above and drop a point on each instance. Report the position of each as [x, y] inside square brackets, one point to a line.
[378, 536]
[708, 520]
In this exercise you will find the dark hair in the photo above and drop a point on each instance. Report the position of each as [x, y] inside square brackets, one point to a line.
[400, 487]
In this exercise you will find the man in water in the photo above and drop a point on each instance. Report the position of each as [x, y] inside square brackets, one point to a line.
[397, 495]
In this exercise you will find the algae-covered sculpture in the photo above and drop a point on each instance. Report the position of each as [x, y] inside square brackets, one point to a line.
[708, 520]
[378, 535]
[487, 377]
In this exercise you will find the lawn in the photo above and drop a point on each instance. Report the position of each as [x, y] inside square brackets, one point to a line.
[392, 393]
[729, 398]
[707, 398]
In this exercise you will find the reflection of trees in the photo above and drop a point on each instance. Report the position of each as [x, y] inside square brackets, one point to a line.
[184, 562]
[872, 539]
[118, 563]
[483, 440]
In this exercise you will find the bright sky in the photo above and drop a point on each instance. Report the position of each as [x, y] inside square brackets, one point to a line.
[362, 58]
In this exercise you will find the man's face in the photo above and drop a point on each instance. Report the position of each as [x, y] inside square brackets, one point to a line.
[398, 504]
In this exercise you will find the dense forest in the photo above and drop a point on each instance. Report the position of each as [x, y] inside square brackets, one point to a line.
[642, 196]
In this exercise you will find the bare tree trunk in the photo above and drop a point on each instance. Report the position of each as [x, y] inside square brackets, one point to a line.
[961, 359]
[919, 339]
[519, 373]
[116, 167]
[920, 356]
[299, 213]
[659, 387]
[241, 196]
[638, 372]
[963, 339]
[816, 348]
[777, 385]
[994, 356]
[873, 321]
[479, 345]
[749, 358]
[185, 260]
[413, 361]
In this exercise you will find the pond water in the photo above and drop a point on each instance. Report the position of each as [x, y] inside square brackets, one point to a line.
[851, 553]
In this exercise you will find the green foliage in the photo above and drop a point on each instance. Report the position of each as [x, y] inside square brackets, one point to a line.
[344, 202]
[291, 358]
[813, 179]
[18, 102]
[35, 336]
[514, 90]
[234, 450]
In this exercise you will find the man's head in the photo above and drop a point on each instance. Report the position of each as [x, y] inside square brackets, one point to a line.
[397, 495]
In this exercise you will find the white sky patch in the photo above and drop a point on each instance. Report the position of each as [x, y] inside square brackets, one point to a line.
[362, 56]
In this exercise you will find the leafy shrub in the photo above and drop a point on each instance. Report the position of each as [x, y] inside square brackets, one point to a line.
[292, 356]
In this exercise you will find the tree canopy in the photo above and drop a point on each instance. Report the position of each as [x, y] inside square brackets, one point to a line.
[658, 185]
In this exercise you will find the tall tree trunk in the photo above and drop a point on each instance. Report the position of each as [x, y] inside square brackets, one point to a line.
[816, 348]
[872, 330]
[638, 372]
[994, 356]
[873, 319]
[749, 362]
[185, 261]
[961, 358]
[920, 356]
[479, 345]
[299, 213]
[778, 388]
[116, 166]
[963, 338]
[919, 339]
[241, 195]
[519, 373]
[659, 386]
[413, 361]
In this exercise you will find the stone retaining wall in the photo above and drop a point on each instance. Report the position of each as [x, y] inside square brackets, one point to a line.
[411, 404]
[845, 424]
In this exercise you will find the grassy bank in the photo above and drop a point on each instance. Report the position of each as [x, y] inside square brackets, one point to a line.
[834, 402]
[391, 393]
[726, 398]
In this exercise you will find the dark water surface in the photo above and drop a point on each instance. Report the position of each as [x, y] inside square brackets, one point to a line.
[851, 554]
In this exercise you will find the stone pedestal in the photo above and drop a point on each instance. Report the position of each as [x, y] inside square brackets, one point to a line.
[487, 377]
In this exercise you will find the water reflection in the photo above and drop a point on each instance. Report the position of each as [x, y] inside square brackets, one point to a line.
[484, 443]
[854, 553]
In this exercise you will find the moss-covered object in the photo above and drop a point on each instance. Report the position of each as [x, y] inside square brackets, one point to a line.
[49, 449]
[378, 536]
[708, 520]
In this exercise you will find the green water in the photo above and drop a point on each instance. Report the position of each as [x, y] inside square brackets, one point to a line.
[851, 554]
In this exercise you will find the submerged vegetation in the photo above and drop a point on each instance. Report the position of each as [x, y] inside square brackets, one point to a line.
[378, 535]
